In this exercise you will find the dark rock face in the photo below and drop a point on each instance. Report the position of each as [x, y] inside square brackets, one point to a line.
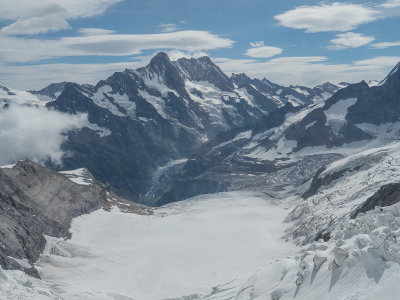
[379, 104]
[187, 189]
[313, 130]
[124, 158]
[162, 66]
[318, 181]
[387, 195]
[35, 201]
[376, 105]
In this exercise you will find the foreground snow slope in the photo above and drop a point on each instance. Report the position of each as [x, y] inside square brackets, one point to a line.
[18, 285]
[360, 262]
[184, 249]
[341, 188]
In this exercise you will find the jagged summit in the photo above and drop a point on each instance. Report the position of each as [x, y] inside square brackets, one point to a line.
[160, 61]
[240, 79]
[203, 69]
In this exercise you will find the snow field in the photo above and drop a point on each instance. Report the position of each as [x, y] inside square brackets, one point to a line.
[185, 248]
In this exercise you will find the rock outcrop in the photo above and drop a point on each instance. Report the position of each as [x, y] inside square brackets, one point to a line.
[387, 195]
[36, 201]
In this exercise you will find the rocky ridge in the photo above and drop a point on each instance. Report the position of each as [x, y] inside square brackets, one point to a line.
[36, 201]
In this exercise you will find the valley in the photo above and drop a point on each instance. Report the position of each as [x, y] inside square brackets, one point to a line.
[236, 188]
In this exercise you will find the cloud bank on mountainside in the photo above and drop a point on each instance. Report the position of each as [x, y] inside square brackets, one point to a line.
[35, 133]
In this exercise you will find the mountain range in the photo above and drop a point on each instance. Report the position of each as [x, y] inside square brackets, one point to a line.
[256, 190]
[143, 119]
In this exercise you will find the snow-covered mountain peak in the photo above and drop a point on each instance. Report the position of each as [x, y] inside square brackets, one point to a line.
[160, 62]
[269, 83]
[52, 91]
[328, 87]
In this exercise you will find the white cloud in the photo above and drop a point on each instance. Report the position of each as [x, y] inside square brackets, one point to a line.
[168, 27]
[177, 54]
[385, 45]
[349, 40]
[328, 17]
[107, 44]
[35, 133]
[378, 62]
[34, 17]
[263, 51]
[95, 31]
[36, 25]
[310, 71]
[257, 44]
[391, 4]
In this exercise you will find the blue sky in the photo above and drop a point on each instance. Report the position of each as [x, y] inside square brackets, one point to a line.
[286, 41]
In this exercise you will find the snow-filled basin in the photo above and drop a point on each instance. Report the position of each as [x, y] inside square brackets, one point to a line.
[185, 248]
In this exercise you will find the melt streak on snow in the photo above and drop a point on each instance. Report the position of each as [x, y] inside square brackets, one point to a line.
[185, 248]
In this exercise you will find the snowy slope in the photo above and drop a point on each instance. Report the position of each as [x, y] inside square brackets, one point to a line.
[341, 188]
[360, 262]
[18, 285]
[185, 248]
[229, 246]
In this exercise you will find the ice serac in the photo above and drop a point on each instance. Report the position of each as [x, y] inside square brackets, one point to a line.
[361, 261]
[36, 201]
